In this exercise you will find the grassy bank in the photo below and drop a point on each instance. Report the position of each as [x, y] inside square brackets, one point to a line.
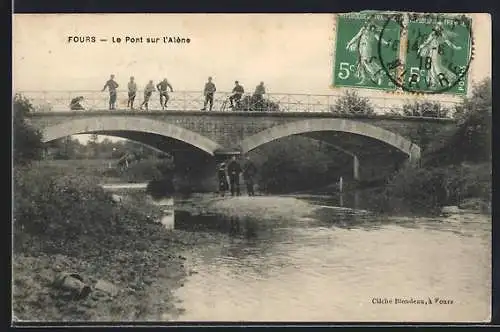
[67, 223]
[106, 169]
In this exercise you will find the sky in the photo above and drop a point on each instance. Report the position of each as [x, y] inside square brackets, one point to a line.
[291, 53]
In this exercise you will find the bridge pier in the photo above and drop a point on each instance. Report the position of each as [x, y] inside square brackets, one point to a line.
[355, 171]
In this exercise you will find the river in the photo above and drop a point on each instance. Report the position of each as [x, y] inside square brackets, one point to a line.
[337, 266]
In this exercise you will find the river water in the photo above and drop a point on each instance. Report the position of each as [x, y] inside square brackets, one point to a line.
[337, 266]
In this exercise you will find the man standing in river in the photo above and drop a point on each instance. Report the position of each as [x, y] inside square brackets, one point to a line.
[234, 171]
[112, 86]
[222, 176]
[249, 172]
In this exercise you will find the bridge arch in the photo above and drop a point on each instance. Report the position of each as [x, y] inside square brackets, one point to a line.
[124, 123]
[340, 125]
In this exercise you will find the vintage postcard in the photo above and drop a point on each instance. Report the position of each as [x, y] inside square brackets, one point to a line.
[252, 167]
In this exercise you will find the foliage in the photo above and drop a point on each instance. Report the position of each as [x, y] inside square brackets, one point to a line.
[431, 188]
[456, 169]
[64, 210]
[472, 140]
[28, 144]
[298, 163]
[352, 103]
[250, 103]
[431, 109]
[480, 100]
[71, 148]
[148, 170]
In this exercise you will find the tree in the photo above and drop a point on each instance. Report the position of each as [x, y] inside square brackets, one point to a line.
[28, 143]
[66, 148]
[352, 103]
[479, 101]
[474, 117]
[472, 139]
[93, 145]
[431, 109]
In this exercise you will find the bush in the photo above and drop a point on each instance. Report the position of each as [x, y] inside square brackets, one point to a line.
[66, 211]
[352, 103]
[28, 144]
[425, 108]
[65, 206]
[250, 103]
[432, 188]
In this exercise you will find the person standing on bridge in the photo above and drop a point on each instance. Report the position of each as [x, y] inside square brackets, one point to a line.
[132, 90]
[258, 96]
[234, 171]
[112, 86]
[162, 88]
[249, 172]
[209, 94]
[238, 91]
[148, 91]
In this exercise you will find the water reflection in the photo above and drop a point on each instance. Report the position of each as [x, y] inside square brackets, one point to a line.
[242, 227]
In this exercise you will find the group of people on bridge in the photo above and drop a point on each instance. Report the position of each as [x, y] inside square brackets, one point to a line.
[229, 176]
[163, 87]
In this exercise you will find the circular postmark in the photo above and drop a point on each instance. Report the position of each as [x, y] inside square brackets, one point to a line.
[435, 53]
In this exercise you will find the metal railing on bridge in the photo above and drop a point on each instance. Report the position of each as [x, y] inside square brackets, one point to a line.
[59, 101]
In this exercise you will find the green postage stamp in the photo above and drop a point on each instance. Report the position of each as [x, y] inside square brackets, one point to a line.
[421, 53]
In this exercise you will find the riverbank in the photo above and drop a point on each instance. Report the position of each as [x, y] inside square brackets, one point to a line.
[108, 169]
[144, 270]
[67, 223]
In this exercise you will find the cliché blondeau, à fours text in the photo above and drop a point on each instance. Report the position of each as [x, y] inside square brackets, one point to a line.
[130, 40]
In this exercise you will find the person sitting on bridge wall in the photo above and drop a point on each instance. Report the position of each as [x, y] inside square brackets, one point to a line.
[249, 172]
[132, 90]
[222, 176]
[75, 103]
[234, 171]
[148, 91]
[112, 86]
[258, 97]
[237, 93]
[162, 87]
[208, 92]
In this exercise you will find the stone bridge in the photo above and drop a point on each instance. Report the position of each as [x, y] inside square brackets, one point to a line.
[371, 141]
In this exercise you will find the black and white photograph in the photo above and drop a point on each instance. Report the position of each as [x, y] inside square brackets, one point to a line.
[252, 167]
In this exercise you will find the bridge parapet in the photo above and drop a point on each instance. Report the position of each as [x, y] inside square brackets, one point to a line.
[192, 101]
